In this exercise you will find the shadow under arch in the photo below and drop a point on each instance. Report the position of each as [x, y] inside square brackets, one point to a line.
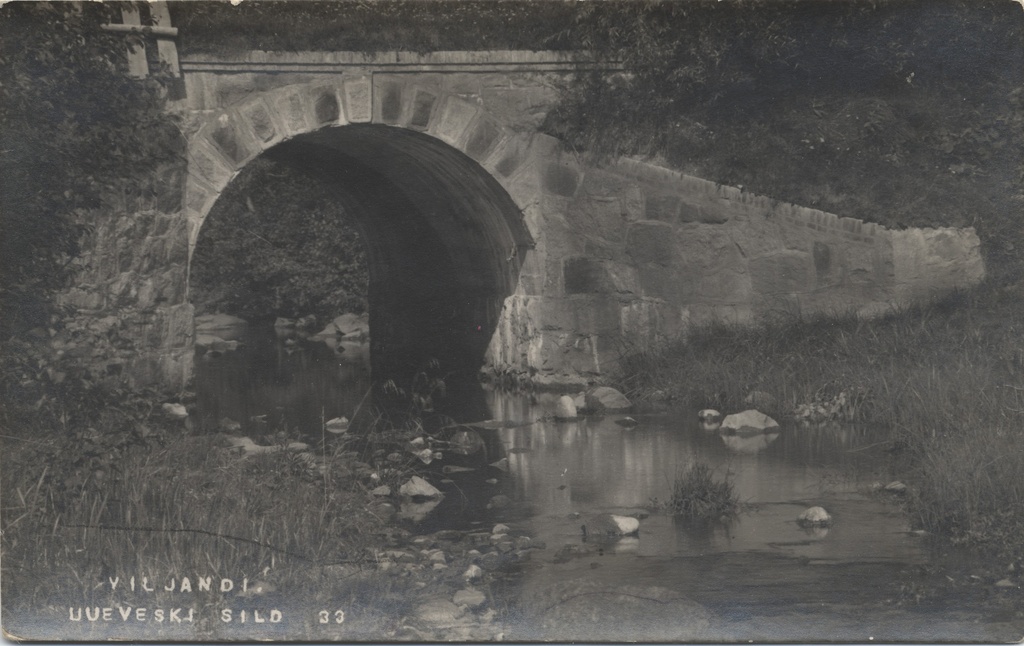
[444, 242]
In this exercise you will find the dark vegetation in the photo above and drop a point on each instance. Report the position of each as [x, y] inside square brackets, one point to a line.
[277, 243]
[904, 113]
[71, 124]
[404, 25]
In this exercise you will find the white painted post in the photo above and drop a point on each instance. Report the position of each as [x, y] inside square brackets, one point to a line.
[137, 65]
[167, 50]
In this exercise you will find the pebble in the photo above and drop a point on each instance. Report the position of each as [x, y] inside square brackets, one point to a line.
[437, 556]
[470, 598]
[499, 502]
[438, 611]
[896, 487]
[491, 561]
[501, 528]
[523, 542]
[472, 573]
[1005, 583]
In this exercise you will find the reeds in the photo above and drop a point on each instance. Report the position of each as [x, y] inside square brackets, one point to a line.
[697, 494]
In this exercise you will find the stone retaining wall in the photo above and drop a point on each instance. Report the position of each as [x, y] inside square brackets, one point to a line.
[637, 252]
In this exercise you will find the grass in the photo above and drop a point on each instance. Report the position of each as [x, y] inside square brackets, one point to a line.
[698, 495]
[947, 378]
[99, 484]
[183, 505]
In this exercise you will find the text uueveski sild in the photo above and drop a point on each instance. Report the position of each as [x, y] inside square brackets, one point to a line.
[140, 613]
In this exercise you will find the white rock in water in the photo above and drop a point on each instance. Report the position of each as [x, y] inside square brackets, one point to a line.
[749, 419]
[566, 408]
[611, 525]
[709, 415]
[627, 524]
[177, 411]
[815, 516]
[326, 333]
[417, 486]
[352, 324]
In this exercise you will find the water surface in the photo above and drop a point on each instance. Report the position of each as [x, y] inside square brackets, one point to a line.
[762, 575]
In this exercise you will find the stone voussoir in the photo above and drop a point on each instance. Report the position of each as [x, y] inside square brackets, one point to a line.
[453, 121]
[232, 138]
[357, 99]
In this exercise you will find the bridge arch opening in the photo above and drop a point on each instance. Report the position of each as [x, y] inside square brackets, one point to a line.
[444, 242]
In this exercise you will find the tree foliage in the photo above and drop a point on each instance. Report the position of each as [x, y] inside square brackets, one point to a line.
[907, 113]
[381, 25]
[278, 244]
[73, 128]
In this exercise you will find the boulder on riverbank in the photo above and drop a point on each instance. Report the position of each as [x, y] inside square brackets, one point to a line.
[605, 399]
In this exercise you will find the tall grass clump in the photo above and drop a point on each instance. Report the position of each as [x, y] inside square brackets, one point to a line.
[947, 379]
[697, 494]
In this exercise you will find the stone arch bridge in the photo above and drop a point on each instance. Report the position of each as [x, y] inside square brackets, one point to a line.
[491, 245]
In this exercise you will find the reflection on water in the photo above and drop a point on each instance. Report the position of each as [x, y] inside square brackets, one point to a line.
[594, 465]
[751, 569]
[272, 381]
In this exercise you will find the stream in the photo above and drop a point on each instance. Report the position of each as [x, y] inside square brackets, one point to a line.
[760, 575]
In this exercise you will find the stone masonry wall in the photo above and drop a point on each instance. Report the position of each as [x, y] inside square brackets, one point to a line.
[132, 321]
[633, 253]
[625, 253]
